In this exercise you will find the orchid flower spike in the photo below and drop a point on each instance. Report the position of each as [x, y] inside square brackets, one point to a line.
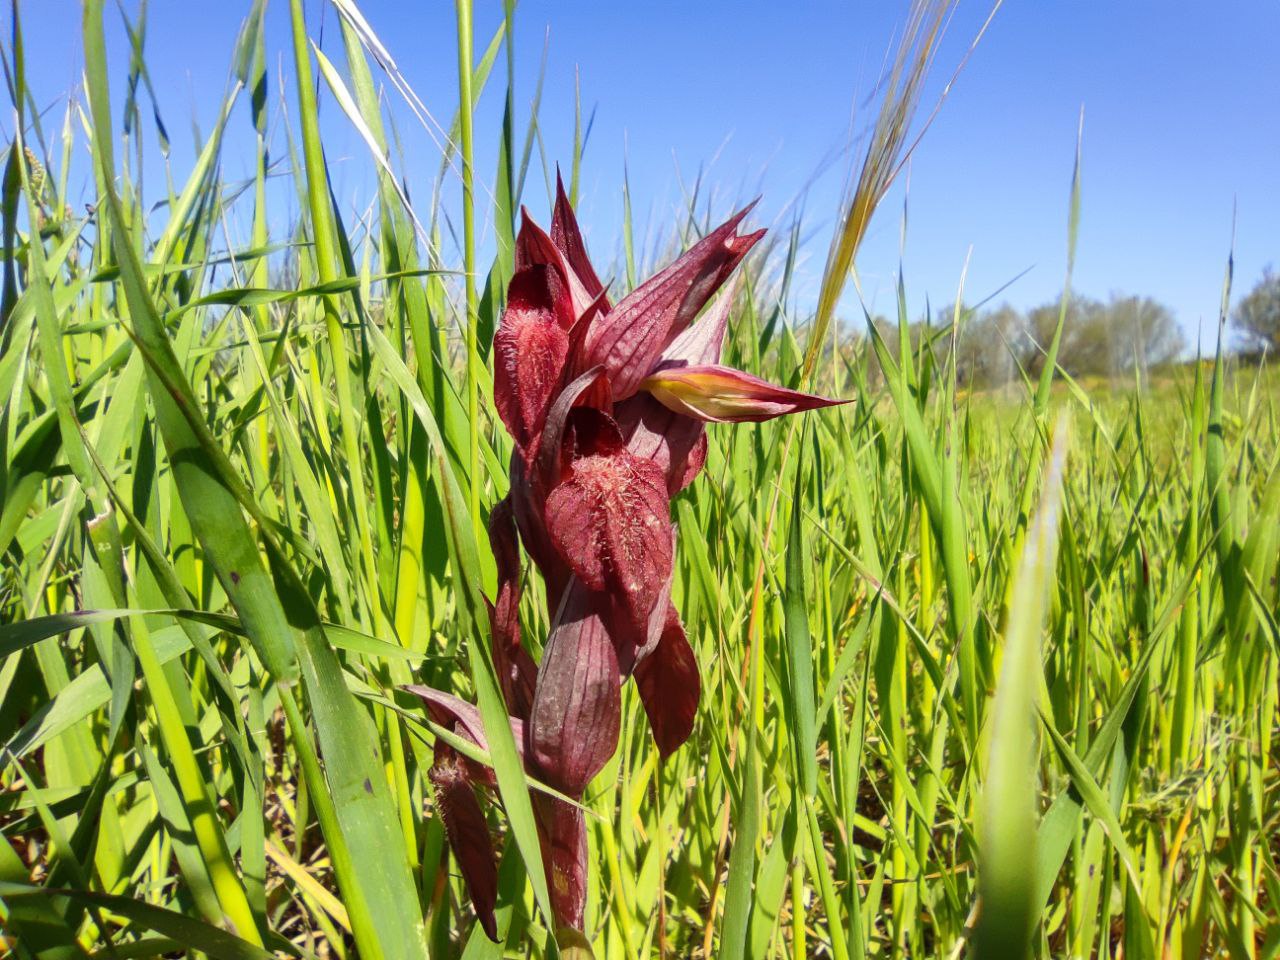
[608, 405]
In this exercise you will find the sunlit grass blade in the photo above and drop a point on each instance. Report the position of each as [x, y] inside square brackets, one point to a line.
[1008, 825]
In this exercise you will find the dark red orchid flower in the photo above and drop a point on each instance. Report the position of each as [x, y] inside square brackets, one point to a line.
[607, 405]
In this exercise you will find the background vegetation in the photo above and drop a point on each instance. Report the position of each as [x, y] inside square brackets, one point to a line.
[981, 668]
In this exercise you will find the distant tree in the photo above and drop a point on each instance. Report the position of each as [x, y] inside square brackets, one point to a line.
[1143, 332]
[1105, 339]
[989, 344]
[1257, 316]
[1099, 338]
[1085, 346]
[1088, 346]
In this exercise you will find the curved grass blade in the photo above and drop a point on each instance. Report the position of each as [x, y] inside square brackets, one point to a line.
[1007, 840]
[192, 934]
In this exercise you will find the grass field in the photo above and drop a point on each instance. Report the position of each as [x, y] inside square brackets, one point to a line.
[988, 674]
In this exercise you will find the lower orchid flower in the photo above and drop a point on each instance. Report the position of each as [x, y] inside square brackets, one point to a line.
[608, 406]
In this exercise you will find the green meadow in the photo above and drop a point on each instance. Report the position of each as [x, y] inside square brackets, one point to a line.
[986, 671]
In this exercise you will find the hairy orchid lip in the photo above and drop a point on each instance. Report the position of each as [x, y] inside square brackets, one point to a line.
[719, 394]
[530, 349]
[610, 520]
[468, 833]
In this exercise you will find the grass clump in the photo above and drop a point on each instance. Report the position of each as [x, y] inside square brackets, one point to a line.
[981, 672]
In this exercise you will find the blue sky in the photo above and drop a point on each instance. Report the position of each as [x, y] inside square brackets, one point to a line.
[1182, 120]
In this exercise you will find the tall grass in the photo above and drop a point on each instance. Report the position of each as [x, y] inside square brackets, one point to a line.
[988, 674]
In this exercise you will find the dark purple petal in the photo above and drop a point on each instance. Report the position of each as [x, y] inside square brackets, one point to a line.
[578, 335]
[452, 712]
[704, 287]
[573, 727]
[529, 349]
[527, 502]
[589, 388]
[533, 246]
[628, 340]
[467, 832]
[610, 520]
[562, 835]
[701, 342]
[568, 239]
[516, 669]
[677, 444]
[632, 641]
[720, 394]
[669, 686]
[464, 719]
[693, 463]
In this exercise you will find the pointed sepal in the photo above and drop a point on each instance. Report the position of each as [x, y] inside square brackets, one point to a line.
[719, 394]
